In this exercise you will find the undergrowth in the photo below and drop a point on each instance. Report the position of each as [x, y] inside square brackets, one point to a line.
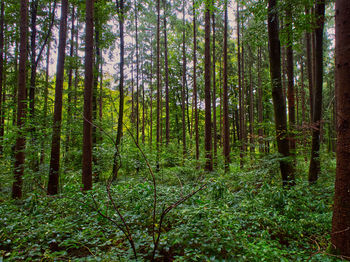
[243, 215]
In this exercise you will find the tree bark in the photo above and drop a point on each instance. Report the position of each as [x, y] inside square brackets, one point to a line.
[290, 76]
[314, 169]
[309, 66]
[340, 236]
[183, 83]
[226, 127]
[120, 7]
[215, 140]
[2, 113]
[167, 111]
[52, 186]
[260, 105]
[88, 94]
[70, 79]
[208, 141]
[158, 82]
[277, 94]
[195, 80]
[21, 103]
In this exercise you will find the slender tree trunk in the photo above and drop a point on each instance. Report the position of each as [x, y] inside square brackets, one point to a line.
[208, 142]
[88, 95]
[195, 80]
[143, 102]
[226, 127]
[240, 91]
[340, 236]
[277, 93]
[183, 83]
[120, 7]
[167, 112]
[137, 73]
[317, 113]
[151, 99]
[309, 66]
[52, 186]
[2, 111]
[251, 111]
[260, 105]
[158, 82]
[290, 76]
[70, 78]
[46, 95]
[33, 18]
[215, 140]
[21, 103]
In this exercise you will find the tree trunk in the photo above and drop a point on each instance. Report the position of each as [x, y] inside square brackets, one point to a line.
[240, 91]
[88, 93]
[290, 76]
[70, 78]
[183, 83]
[277, 93]
[21, 103]
[2, 113]
[215, 140]
[226, 127]
[52, 186]
[340, 236]
[208, 142]
[158, 82]
[309, 66]
[260, 105]
[195, 80]
[317, 112]
[137, 73]
[120, 7]
[46, 95]
[167, 112]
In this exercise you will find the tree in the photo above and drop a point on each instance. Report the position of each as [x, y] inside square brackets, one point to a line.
[195, 80]
[120, 7]
[340, 236]
[1, 72]
[52, 186]
[89, 81]
[226, 126]
[277, 93]
[290, 76]
[21, 103]
[215, 137]
[208, 142]
[183, 81]
[314, 169]
[167, 112]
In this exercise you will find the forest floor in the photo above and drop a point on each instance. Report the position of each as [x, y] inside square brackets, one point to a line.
[244, 215]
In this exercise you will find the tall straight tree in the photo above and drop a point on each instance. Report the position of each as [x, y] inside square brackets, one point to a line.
[21, 103]
[158, 82]
[215, 137]
[52, 186]
[120, 8]
[167, 112]
[208, 142]
[89, 82]
[277, 93]
[226, 126]
[195, 80]
[290, 76]
[340, 236]
[183, 80]
[1, 72]
[70, 80]
[317, 101]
